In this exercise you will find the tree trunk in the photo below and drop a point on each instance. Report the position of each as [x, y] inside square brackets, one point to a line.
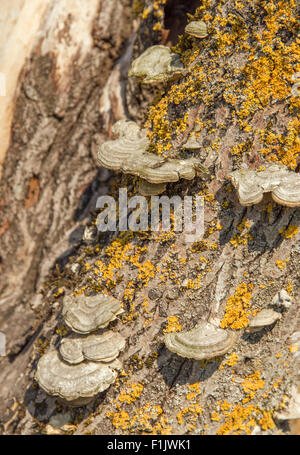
[55, 76]
[66, 89]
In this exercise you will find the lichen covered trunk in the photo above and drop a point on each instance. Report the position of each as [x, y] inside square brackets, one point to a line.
[237, 102]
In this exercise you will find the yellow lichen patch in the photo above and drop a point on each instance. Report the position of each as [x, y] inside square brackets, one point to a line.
[283, 148]
[214, 226]
[276, 383]
[215, 416]
[60, 292]
[194, 411]
[239, 149]
[191, 412]
[263, 78]
[241, 237]
[266, 422]
[203, 245]
[236, 314]
[289, 288]
[253, 382]
[144, 417]
[62, 330]
[172, 325]
[132, 392]
[225, 405]
[194, 391]
[108, 272]
[165, 236]
[149, 419]
[240, 419]
[120, 419]
[243, 418]
[293, 348]
[79, 291]
[232, 359]
[145, 13]
[281, 264]
[289, 232]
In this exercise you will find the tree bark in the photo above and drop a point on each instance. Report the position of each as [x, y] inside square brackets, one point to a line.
[67, 95]
[55, 76]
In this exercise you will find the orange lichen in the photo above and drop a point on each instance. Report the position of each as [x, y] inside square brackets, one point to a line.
[239, 419]
[232, 359]
[172, 325]
[241, 237]
[293, 348]
[120, 419]
[266, 422]
[281, 264]
[194, 410]
[194, 391]
[131, 393]
[236, 314]
[253, 382]
[264, 77]
[289, 232]
[149, 419]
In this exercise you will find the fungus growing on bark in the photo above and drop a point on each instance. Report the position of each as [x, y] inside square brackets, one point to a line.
[204, 341]
[87, 314]
[97, 348]
[71, 350]
[128, 154]
[76, 385]
[263, 319]
[150, 189]
[283, 184]
[156, 64]
[197, 29]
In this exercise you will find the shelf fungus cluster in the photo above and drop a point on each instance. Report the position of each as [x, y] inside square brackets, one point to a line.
[205, 341]
[128, 154]
[281, 183]
[97, 348]
[85, 365]
[157, 64]
[198, 29]
[87, 314]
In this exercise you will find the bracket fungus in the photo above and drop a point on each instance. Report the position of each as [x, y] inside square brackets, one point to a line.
[76, 385]
[128, 154]
[87, 314]
[283, 184]
[204, 341]
[156, 64]
[97, 348]
[71, 350]
[197, 29]
[263, 319]
[150, 189]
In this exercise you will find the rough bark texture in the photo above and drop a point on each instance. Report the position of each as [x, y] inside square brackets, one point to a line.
[50, 183]
[50, 179]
